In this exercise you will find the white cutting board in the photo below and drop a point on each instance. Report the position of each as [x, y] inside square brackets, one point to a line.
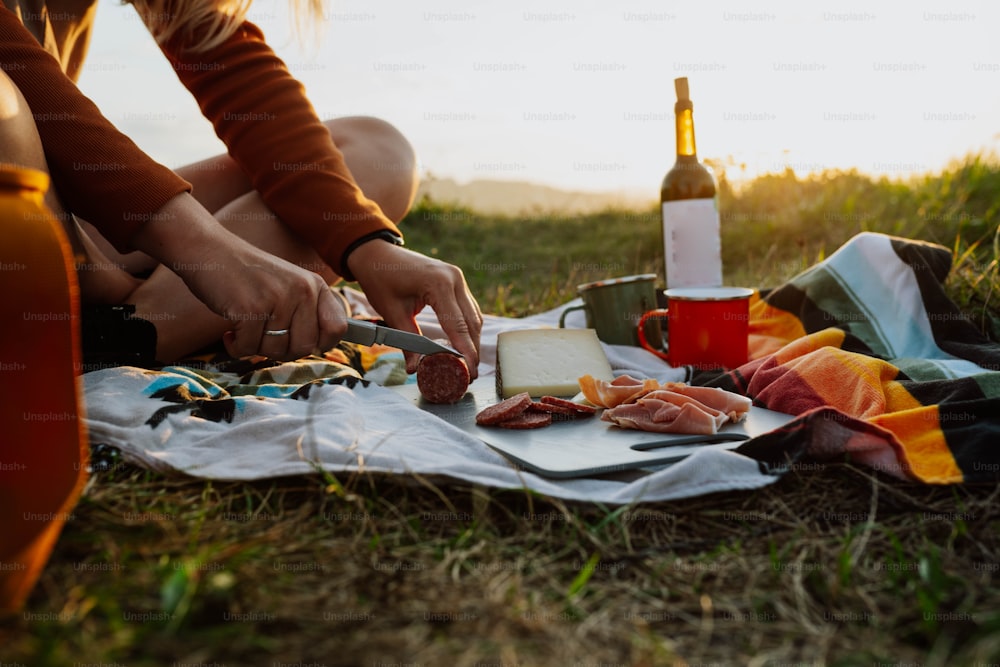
[587, 446]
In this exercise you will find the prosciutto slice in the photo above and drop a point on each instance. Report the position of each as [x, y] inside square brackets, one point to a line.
[623, 389]
[672, 407]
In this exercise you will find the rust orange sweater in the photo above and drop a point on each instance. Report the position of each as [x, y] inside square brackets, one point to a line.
[257, 108]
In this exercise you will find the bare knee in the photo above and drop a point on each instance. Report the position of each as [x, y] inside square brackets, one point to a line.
[19, 141]
[20, 144]
[101, 281]
[9, 95]
[381, 160]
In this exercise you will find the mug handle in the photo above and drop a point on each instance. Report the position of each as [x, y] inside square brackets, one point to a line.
[562, 318]
[659, 312]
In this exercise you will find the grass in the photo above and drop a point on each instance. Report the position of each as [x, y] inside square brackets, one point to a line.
[834, 564]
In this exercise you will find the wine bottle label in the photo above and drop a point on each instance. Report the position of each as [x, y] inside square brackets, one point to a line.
[692, 249]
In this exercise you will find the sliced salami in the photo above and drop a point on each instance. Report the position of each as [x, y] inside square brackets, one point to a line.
[442, 378]
[527, 420]
[505, 409]
[558, 412]
[541, 406]
[576, 407]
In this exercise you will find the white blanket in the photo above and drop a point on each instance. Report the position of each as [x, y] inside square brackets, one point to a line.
[176, 421]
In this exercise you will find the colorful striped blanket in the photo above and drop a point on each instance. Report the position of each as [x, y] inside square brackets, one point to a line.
[880, 365]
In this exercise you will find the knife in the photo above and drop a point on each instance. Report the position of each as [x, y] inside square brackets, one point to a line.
[369, 333]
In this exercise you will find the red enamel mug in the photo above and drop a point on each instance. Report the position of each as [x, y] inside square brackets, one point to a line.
[707, 327]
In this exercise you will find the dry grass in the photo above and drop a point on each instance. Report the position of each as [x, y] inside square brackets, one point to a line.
[830, 565]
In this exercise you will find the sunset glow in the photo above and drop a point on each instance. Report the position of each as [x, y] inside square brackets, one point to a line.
[579, 94]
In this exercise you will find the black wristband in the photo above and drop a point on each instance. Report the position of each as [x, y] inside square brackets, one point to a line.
[383, 234]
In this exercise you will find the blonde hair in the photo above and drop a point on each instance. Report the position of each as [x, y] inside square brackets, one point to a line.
[201, 25]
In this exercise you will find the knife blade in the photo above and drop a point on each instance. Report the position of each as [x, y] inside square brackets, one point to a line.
[369, 333]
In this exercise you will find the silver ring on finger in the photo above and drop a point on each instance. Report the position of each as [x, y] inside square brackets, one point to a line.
[276, 332]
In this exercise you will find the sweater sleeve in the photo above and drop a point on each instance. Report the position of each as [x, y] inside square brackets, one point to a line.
[270, 128]
[98, 172]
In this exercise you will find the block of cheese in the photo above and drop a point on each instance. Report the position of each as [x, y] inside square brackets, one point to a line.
[548, 361]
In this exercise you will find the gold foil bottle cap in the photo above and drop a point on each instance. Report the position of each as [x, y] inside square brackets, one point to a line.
[681, 86]
[683, 96]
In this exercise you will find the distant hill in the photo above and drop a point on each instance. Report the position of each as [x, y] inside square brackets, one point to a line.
[521, 197]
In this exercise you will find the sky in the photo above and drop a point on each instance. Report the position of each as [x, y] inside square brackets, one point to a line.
[579, 94]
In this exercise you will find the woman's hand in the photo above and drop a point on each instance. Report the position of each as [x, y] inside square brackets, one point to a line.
[262, 293]
[399, 283]
[253, 290]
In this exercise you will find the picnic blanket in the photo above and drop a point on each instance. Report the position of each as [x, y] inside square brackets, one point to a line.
[865, 347]
[880, 365]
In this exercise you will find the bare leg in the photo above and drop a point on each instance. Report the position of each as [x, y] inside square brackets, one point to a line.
[379, 157]
[381, 160]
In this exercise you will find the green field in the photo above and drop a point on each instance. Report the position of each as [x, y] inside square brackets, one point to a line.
[772, 228]
[832, 565]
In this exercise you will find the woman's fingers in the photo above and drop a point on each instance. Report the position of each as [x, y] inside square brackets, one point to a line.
[283, 312]
[459, 316]
[267, 334]
[332, 313]
[399, 294]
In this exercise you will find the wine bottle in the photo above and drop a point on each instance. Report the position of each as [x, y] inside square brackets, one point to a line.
[692, 250]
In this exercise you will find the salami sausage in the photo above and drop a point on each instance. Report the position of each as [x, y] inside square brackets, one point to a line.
[539, 406]
[527, 419]
[442, 378]
[579, 408]
[559, 412]
[504, 410]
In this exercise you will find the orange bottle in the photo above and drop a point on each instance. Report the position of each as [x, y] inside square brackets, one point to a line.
[43, 445]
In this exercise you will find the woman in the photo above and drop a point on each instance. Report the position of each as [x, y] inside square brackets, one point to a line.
[240, 247]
